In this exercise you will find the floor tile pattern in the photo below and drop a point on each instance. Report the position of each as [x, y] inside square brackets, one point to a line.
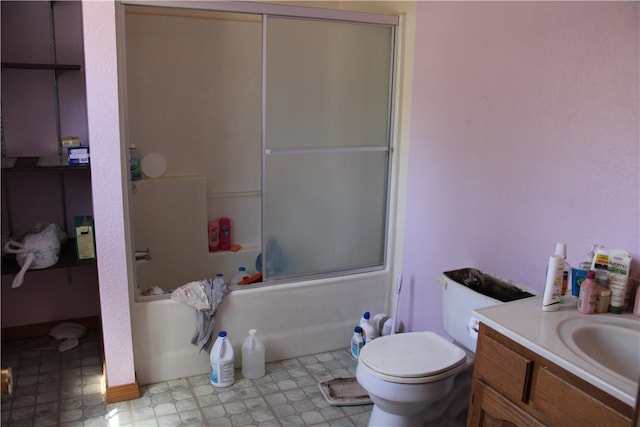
[66, 389]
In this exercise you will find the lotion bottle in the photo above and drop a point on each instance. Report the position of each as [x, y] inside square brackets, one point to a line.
[553, 284]
[588, 294]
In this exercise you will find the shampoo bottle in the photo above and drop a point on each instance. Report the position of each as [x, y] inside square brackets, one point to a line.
[224, 242]
[588, 294]
[134, 162]
[214, 236]
[253, 356]
[221, 358]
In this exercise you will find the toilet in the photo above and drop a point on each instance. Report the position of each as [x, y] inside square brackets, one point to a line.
[413, 378]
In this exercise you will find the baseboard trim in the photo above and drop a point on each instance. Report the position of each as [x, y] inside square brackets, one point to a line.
[123, 392]
[42, 329]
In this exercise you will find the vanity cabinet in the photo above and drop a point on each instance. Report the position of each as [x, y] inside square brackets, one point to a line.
[514, 386]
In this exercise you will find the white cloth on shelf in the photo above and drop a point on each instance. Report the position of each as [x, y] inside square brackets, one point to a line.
[38, 249]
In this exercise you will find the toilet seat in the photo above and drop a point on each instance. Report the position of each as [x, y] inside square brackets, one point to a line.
[412, 358]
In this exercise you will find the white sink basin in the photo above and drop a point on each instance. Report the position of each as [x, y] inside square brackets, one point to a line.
[606, 342]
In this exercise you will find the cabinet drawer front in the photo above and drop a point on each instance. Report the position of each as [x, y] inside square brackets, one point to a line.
[499, 412]
[506, 370]
[560, 403]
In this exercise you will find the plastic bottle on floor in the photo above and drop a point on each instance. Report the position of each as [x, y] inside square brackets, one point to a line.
[368, 330]
[221, 358]
[253, 353]
[357, 341]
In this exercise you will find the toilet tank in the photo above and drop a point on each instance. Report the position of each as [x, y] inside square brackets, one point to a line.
[465, 290]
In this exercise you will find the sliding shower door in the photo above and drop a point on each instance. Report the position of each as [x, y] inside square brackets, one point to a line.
[326, 141]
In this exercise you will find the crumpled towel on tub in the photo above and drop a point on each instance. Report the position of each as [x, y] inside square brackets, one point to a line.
[205, 296]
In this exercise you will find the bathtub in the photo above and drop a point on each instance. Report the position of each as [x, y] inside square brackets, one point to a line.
[293, 319]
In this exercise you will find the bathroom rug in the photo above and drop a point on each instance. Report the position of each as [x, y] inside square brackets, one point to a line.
[344, 392]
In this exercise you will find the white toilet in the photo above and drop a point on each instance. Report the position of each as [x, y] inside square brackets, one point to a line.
[411, 377]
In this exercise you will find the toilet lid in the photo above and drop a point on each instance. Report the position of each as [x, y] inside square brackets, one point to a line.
[412, 357]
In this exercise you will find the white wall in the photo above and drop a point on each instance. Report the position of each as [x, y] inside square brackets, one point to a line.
[108, 187]
[524, 134]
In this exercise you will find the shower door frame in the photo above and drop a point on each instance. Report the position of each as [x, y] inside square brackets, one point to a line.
[330, 15]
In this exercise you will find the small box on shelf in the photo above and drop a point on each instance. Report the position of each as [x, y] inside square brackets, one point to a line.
[85, 241]
[78, 155]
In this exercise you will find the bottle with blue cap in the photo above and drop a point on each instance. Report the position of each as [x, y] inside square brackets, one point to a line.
[368, 330]
[357, 341]
[222, 361]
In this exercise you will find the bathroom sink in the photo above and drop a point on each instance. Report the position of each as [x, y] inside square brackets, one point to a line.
[606, 342]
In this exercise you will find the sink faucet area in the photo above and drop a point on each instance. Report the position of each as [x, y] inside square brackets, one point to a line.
[602, 349]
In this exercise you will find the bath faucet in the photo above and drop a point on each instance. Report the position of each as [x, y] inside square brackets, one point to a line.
[143, 255]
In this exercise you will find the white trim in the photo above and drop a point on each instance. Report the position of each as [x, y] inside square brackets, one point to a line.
[273, 9]
[326, 150]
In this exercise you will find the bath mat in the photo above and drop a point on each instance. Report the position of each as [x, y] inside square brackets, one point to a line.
[344, 392]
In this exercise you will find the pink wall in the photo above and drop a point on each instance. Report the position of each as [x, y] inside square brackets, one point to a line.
[524, 133]
[29, 126]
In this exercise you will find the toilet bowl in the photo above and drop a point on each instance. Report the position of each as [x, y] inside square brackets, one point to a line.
[405, 373]
[416, 376]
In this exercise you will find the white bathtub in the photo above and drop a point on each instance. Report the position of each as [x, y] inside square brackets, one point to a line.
[293, 319]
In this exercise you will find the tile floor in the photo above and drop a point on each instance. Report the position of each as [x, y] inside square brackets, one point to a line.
[66, 389]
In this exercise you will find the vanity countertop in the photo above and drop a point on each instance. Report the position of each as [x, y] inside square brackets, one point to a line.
[524, 322]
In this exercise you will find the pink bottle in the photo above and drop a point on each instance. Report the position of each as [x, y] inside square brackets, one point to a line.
[225, 234]
[588, 294]
[214, 236]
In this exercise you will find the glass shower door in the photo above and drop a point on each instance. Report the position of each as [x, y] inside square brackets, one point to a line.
[326, 142]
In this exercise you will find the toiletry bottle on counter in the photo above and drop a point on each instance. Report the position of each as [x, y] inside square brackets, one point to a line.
[553, 284]
[368, 330]
[253, 356]
[561, 249]
[602, 302]
[588, 294]
[221, 358]
[134, 162]
[224, 243]
[357, 341]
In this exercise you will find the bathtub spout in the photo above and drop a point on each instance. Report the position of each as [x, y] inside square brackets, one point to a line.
[146, 255]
